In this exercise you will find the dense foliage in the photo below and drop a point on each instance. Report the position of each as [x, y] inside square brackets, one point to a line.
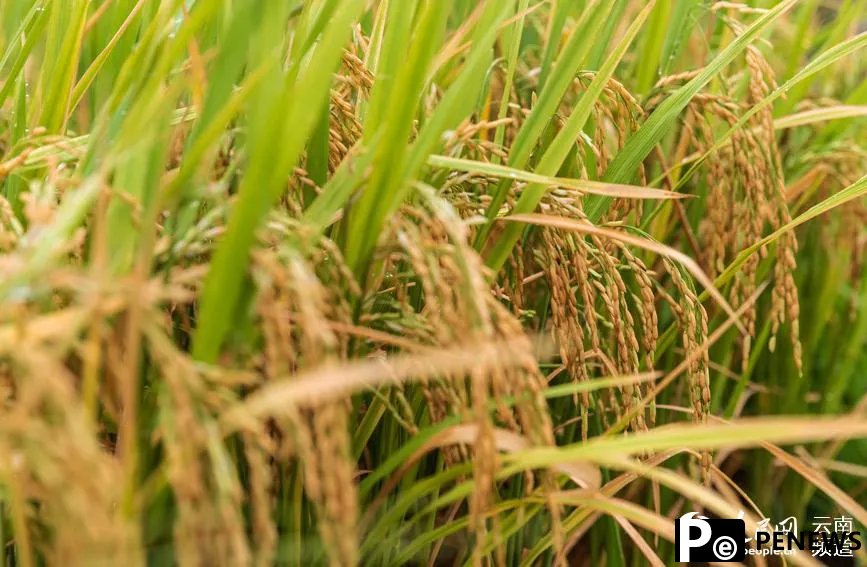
[391, 282]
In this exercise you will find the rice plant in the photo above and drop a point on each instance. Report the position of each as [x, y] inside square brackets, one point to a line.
[427, 282]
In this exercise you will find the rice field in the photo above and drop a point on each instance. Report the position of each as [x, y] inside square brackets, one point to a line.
[428, 282]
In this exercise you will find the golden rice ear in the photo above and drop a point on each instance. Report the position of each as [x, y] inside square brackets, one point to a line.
[51, 445]
[746, 192]
[692, 318]
[785, 306]
[458, 305]
[208, 502]
[570, 278]
[649, 324]
[297, 312]
[10, 227]
[565, 315]
[618, 116]
[260, 498]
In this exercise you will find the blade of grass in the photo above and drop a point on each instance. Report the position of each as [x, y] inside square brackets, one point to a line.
[553, 35]
[678, 32]
[96, 65]
[22, 46]
[823, 114]
[330, 383]
[264, 182]
[574, 54]
[741, 433]
[514, 43]
[393, 103]
[65, 35]
[457, 102]
[582, 185]
[655, 35]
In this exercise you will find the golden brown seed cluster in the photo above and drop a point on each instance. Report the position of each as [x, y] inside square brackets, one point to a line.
[746, 196]
[459, 307]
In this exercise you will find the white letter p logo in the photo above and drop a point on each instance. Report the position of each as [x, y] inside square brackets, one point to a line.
[684, 541]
